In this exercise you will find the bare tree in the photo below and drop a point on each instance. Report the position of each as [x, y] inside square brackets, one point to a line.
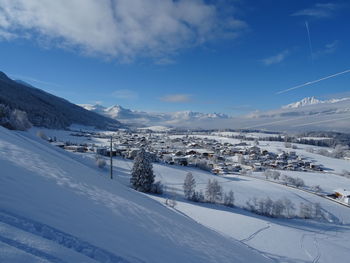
[229, 199]
[189, 186]
[213, 192]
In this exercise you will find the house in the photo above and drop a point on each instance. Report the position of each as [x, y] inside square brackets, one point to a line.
[75, 148]
[180, 160]
[343, 195]
[59, 144]
[101, 151]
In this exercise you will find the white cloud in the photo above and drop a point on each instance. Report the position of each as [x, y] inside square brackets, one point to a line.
[329, 48]
[320, 10]
[125, 94]
[122, 29]
[276, 58]
[176, 98]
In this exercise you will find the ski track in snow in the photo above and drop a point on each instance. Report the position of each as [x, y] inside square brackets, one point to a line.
[318, 256]
[256, 233]
[33, 251]
[61, 238]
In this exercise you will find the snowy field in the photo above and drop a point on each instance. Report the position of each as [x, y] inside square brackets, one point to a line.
[285, 240]
[57, 206]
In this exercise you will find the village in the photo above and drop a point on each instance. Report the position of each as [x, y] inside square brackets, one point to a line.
[219, 158]
[187, 150]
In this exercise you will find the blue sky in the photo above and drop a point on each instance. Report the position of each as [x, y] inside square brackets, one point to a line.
[226, 56]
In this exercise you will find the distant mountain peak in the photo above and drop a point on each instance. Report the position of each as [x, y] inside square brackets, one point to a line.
[311, 101]
[304, 102]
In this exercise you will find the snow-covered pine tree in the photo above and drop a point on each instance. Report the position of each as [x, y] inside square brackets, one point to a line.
[142, 177]
[189, 186]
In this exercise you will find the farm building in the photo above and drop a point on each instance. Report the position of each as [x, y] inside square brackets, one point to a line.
[343, 195]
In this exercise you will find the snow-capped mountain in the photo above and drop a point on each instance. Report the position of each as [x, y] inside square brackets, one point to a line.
[311, 101]
[309, 114]
[142, 118]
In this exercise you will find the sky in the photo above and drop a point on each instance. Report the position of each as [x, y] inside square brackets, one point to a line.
[227, 56]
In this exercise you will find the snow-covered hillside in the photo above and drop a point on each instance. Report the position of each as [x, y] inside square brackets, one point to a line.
[57, 207]
[46, 110]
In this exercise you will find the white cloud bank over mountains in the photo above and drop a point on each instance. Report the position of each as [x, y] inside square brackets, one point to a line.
[308, 114]
[121, 29]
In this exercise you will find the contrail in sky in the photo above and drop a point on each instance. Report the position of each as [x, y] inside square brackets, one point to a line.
[308, 35]
[314, 81]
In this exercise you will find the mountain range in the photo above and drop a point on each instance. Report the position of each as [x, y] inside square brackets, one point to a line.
[142, 118]
[308, 114]
[46, 110]
[311, 101]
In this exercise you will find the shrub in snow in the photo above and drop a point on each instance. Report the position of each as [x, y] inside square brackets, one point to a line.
[246, 172]
[157, 188]
[317, 211]
[275, 175]
[189, 186]
[171, 201]
[14, 119]
[101, 163]
[142, 177]
[42, 135]
[278, 208]
[281, 208]
[340, 151]
[317, 188]
[213, 191]
[19, 120]
[204, 165]
[305, 210]
[229, 199]
[289, 208]
[297, 182]
[198, 197]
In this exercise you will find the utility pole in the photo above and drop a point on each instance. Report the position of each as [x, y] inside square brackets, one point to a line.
[110, 155]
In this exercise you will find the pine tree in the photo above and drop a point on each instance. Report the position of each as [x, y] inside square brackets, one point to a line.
[189, 186]
[142, 177]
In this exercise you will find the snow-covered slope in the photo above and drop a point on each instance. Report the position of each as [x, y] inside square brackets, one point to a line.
[56, 207]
